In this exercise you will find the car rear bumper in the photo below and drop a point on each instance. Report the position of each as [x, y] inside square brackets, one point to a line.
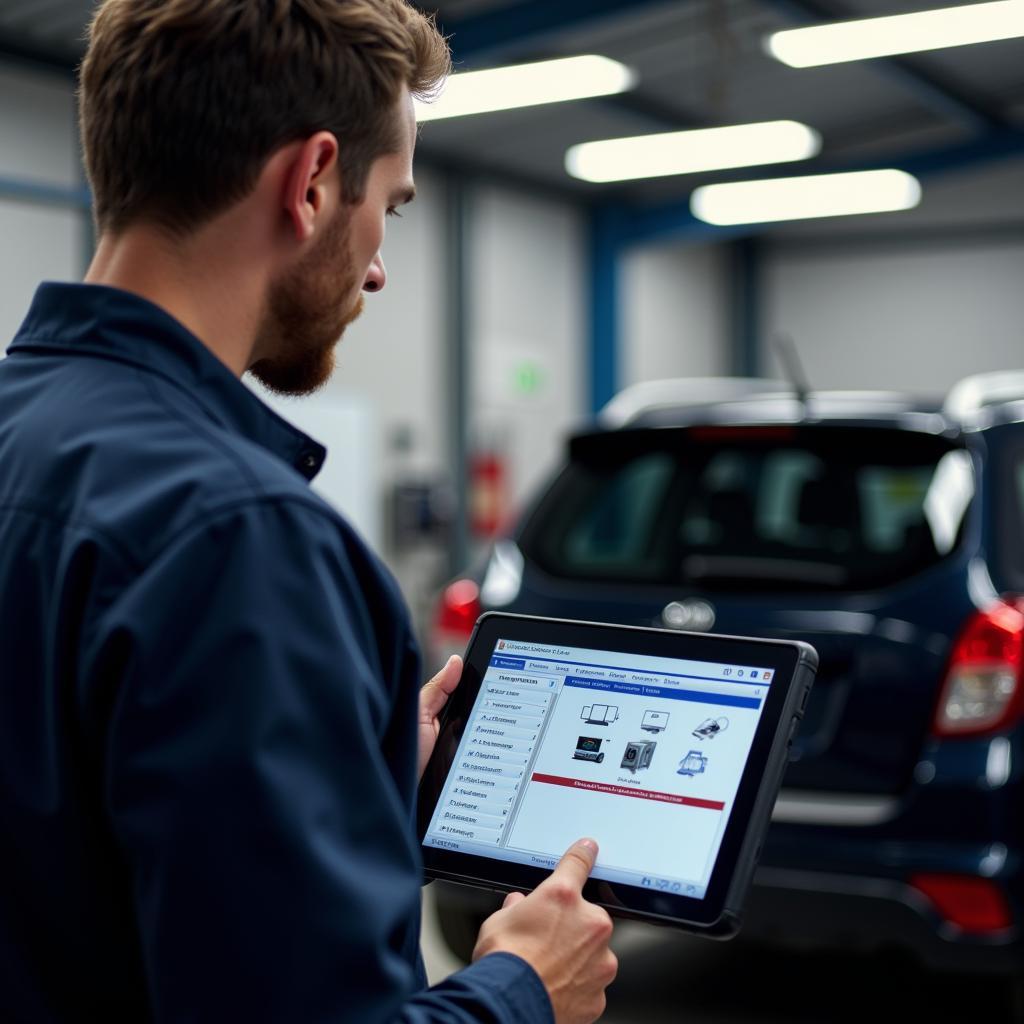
[805, 909]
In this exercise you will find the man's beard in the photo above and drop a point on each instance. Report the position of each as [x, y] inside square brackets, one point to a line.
[304, 321]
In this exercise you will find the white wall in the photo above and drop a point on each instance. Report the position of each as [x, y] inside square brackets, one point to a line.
[911, 301]
[527, 263]
[527, 316]
[37, 142]
[675, 315]
[904, 315]
[394, 354]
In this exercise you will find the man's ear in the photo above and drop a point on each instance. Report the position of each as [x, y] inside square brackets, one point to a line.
[307, 183]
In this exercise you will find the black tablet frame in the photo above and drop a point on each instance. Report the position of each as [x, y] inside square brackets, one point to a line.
[718, 913]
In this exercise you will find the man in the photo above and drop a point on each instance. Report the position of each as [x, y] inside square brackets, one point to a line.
[208, 685]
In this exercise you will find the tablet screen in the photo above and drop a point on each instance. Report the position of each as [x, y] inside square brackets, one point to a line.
[645, 754]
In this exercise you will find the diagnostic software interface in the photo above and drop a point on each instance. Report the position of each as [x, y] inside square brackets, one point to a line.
[644, 754]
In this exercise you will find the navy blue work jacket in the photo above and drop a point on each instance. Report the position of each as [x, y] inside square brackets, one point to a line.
[208, 691]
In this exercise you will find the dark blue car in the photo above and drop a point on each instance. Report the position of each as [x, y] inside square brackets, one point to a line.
[889, 533]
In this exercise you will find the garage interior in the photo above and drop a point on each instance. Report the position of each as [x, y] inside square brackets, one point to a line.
[521, 299]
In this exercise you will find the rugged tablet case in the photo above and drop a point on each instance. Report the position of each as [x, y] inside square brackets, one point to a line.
[729, 921]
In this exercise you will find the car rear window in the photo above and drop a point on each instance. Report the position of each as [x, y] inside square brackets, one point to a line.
[741, 508]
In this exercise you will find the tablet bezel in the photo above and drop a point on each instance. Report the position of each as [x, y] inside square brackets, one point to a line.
[792, 662]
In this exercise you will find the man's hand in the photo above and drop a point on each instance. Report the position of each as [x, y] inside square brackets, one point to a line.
[433, 698]
[564, 938]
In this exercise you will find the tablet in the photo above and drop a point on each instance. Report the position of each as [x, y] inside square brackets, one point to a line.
[668, 748]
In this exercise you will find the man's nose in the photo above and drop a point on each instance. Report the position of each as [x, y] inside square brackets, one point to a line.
[376, 276]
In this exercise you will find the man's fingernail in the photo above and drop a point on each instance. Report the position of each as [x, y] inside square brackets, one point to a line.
[590, 844]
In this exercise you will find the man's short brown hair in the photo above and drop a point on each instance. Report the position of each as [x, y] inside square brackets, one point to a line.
[184, 101]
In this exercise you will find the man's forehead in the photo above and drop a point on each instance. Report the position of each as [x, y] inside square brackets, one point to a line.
[407, 111]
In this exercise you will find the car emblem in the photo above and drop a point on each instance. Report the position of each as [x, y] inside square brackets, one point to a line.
[691, 614]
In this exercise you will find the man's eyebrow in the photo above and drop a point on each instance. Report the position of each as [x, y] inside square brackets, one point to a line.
[405, 195]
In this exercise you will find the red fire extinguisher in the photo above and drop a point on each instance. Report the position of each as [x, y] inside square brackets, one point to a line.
[487, 492]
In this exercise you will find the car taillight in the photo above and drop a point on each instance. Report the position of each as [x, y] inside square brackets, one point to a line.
[457, 612]
[983, 691]
[975, 905]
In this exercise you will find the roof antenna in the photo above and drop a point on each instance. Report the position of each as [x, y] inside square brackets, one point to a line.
[793, 368]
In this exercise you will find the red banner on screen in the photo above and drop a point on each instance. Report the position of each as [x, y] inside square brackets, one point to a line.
[641, 794]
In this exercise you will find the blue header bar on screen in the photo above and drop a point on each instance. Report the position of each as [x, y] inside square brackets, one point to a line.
[636, 669]
[696, 696]
[499, 662]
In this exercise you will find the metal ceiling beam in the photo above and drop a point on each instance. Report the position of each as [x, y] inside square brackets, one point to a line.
[39, 58]
[661, 116]
[38, 13]
[931, 89]
[481, 172]
[42, 194]
[522, 26]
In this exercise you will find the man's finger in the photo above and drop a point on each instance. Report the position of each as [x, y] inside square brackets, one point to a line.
[577, 863]
[512, 899]
[436, 693]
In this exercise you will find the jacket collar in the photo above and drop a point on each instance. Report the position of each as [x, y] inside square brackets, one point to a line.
[94, 320]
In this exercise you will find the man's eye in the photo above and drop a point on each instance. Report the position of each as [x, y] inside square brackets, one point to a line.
[392, 212]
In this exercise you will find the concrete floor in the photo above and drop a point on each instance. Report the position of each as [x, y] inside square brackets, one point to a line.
[667, 978]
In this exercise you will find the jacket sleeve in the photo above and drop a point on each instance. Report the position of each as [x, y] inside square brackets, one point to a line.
[267, 836]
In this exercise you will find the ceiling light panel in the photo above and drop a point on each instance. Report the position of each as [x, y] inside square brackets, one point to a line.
[901, 33]
[526, 85]
[691, 152]
[808, 196]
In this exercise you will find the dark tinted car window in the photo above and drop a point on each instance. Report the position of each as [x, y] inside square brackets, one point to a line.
[1009, 505]
[741, 508]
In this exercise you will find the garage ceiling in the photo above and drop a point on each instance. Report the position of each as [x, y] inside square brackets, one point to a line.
[700, 63]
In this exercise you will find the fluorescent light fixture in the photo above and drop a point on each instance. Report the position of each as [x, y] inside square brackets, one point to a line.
[527, 85]
[899, 33]
[705, 149]
[813, 195]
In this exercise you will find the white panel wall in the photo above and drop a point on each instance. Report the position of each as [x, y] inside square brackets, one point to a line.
[909, 300]
[526, 314]
[912, 301]
[37, 142]
[675, 315]
[36, 243]
[394, 356]
[37, 127]
[527, 319]
[908, 316]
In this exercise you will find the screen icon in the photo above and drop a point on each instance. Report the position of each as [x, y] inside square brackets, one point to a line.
[695, 763]
[710, 728]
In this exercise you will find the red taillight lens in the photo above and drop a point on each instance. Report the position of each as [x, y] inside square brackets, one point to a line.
[983, 691]
[975, 905]
[457, 612]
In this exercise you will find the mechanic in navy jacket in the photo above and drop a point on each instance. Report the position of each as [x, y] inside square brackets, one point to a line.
[209, 719]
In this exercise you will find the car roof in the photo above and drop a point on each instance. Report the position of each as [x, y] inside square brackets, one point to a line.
[974, 403]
